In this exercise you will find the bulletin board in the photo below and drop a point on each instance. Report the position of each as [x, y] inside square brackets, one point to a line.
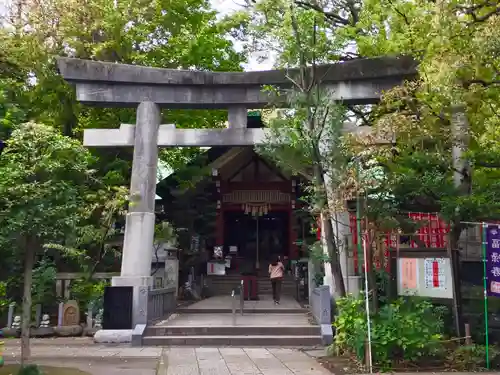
[425, 277]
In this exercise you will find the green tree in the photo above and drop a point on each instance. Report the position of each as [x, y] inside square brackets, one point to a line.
[306, 138]
[42, 290]
[442, 161]
[161, 33]
[183, 34]
[43, 178]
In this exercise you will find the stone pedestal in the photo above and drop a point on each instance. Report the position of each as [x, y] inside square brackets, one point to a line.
[140, 285]
[171, 276]
[110, 336]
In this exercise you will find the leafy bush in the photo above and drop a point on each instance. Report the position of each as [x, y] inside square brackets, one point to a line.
[88, 291]
[4, 301]
[401, 330]
[470, 357]
[42, 289]
[30, 370]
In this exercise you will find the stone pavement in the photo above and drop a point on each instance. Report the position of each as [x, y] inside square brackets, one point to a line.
[78, 349]
[124, 360]
[83, 354]
[240, 361]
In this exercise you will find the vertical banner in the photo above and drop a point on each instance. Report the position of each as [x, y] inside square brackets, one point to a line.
[493, 260]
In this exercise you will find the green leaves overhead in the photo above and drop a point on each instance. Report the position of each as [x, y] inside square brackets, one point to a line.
[42, 177]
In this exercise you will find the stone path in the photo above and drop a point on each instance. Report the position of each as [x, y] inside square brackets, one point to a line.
[78, 349]
[123, 360]
[240, 361]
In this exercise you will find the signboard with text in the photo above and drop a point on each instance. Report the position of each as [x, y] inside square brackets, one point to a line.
[425, 277]
[493, 260]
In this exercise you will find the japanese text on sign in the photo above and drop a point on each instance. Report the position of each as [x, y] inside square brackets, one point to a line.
[434, 273]
[493, 260]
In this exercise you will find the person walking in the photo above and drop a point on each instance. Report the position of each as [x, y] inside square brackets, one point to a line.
[276, 270]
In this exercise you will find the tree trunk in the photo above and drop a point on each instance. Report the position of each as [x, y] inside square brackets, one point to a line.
[327, 228]
[29, 261]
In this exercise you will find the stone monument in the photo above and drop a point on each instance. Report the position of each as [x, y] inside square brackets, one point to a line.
[70, 320]
[16, 324]
[98, 319]
[13, 328]
[71, 314]
[45, 323]
[44, 329]
[150, 89]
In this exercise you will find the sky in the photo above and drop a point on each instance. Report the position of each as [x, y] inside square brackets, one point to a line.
[226, 7]
[223, 7]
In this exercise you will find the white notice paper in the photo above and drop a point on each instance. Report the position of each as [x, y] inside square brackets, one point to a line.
[434, 277]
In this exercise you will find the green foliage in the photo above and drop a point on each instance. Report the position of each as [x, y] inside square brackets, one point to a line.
[42, 290]
[161, 33]
[91, 244]
[4, 300]
[400, 330]
[30, 370]
[319, 278]
[470, 357]
[42, 175]
[89, 292]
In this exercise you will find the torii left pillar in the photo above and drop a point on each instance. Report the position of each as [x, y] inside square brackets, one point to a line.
[140, 219]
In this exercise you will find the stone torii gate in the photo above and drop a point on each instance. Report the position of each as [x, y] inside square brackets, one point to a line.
[150, 89]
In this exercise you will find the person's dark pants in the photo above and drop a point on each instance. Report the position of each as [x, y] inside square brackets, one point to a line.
[276, 284]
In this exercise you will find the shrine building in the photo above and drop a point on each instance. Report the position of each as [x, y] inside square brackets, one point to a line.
[239, 212]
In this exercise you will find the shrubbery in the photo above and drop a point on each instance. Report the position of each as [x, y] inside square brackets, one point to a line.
[89, 291]
[401, 330]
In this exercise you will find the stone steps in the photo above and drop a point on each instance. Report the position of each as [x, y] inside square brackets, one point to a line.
[221, 285]
[246, 310]
[239, 341]
[211, 323]
[229, 330]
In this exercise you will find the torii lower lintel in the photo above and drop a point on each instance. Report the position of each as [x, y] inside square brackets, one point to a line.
[169, 136]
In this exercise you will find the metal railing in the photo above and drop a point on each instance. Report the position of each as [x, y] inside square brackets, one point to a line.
[233, 300]
[161, 303]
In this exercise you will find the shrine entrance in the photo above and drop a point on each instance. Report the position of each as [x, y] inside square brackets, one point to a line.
[259, 239]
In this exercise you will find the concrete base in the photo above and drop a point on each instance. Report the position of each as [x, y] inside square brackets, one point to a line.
[67, 331]
[140, 285]
[42, 332]
[137, 334]
[11, 332]
[111, 336]
[90, 331]
[326, 334]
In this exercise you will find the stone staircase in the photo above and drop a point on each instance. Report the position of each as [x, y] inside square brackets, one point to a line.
[210, 323]
[223, 285]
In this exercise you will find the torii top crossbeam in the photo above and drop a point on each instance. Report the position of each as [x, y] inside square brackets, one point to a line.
[354, 82]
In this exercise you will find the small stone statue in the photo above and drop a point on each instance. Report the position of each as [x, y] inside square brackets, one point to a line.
[45, 323]
[16, 324]
[98, 319]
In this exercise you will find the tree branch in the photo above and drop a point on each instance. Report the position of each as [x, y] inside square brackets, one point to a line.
[330, 16]
[362, 115]
[473, 10]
